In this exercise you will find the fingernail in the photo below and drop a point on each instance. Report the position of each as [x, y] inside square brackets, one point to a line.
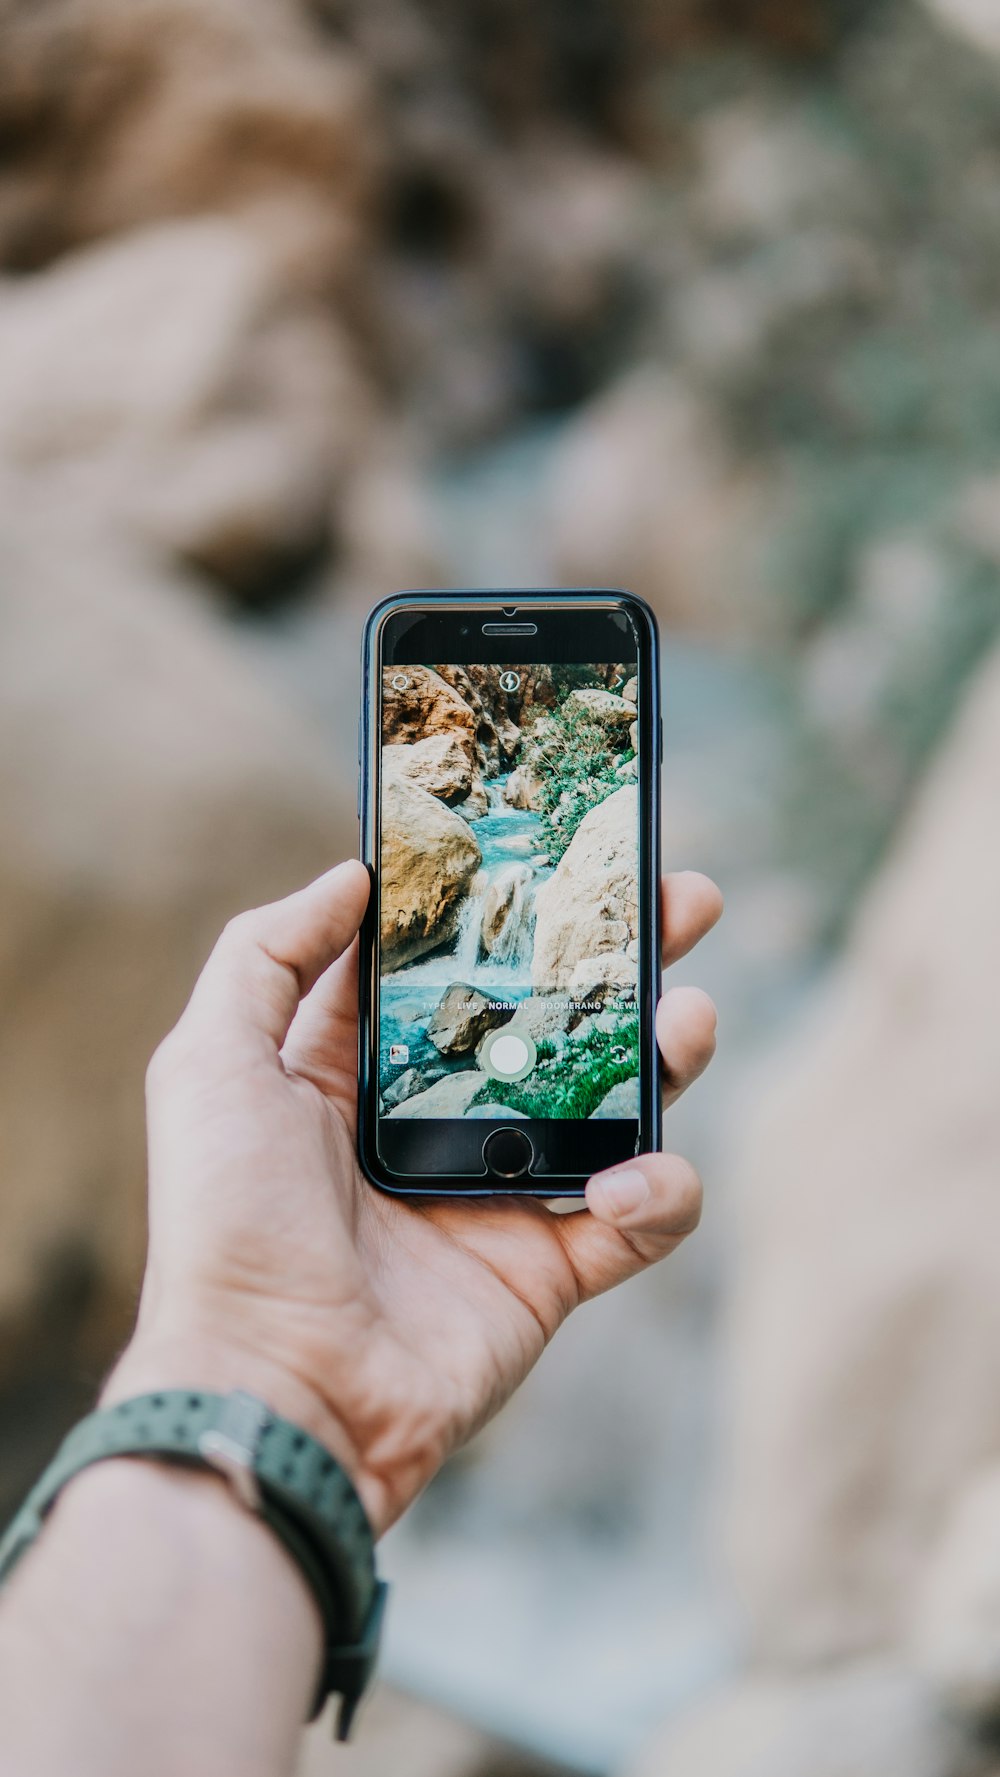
[624, 1191]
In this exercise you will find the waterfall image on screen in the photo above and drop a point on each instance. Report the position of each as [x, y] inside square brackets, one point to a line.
[508, 891]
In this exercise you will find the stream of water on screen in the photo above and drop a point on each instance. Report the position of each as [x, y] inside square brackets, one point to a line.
[512, 844]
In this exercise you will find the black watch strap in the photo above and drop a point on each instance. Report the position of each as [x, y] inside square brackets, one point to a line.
[277, 1470]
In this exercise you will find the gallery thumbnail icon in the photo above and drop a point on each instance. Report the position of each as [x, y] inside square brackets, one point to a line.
[399, 1054]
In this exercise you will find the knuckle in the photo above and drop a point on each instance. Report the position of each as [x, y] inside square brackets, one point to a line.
[704, 1006]
[694, 1010]
[162, 1064]
[169, 1061]
[688, 1196]
[705, 1051]
[687, 1033]
[241, 929]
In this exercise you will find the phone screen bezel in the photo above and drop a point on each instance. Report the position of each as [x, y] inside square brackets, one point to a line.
[407, 1156]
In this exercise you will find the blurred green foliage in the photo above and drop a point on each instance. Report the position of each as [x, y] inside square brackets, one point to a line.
[860, 382]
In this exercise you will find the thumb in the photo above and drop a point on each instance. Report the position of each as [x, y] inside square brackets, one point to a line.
[639, 1212]
[266, 960]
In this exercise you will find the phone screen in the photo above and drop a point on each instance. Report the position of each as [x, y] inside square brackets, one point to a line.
[509, 891]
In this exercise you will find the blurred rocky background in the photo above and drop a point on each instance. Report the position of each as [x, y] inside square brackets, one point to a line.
[304, 300]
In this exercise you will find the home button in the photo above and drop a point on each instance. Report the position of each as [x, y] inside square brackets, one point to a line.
[508, 1153]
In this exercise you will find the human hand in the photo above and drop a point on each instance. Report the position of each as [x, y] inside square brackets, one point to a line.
[390, 1328]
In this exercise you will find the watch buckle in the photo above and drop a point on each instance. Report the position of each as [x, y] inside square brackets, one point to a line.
[231, 1446]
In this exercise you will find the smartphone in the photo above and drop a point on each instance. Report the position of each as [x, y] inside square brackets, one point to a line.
[510, 746]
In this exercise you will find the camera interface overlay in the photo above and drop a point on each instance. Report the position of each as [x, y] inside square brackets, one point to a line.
[509, 891]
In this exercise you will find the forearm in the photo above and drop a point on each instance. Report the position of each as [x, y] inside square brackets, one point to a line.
[156, 1626]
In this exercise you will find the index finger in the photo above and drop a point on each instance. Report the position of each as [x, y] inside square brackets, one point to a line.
[268, 959]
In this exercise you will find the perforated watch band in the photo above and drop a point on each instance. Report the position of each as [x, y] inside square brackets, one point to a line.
[277, 1470]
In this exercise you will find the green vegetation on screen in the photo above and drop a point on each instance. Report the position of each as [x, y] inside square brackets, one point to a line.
[573, 1079]
[577, 771]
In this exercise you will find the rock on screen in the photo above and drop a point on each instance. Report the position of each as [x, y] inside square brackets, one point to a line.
[508, 882]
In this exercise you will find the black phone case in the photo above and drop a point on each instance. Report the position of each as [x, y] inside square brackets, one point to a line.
[552, 1185]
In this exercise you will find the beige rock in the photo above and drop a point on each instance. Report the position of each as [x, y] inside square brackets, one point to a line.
[506, 911]
[864, 1338]
[975, 20]
[521, 845]
[542, 734]
[645, 493]
[417, 702]
[604, 980]
[440, 764]
[571, 216]
[171, 381]
[249, 506]
[874, 1720]
[476, 803]
[386, 524]
[150, 786]
[541, 742]
[630, 691]
[589, 904]
[852, 667]
[523, 788]
[976, 515]
[411, 1080]
[763, 169]
[502, 717]
[609, 712]
[495, 734]
[120, 114]
[621, 1101]
[497, 903]
[509, 736]
[955, 1638]
[535, 692]
[543, 1015]
[429, 857]
[462, 1018]
[448, 1097]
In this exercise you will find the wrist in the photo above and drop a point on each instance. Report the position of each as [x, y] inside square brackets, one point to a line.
[284, 1479]
[203, 1633]
[190, 1357]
